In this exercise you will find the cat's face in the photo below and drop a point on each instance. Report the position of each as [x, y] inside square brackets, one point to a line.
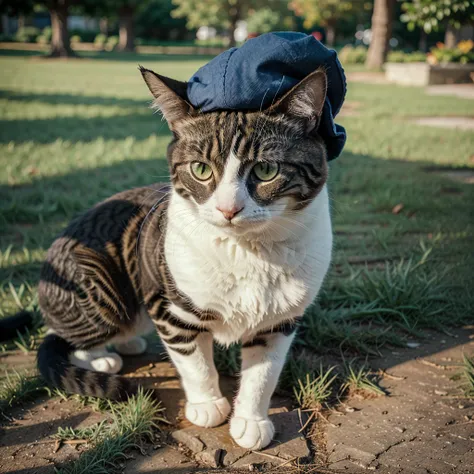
[245, 172]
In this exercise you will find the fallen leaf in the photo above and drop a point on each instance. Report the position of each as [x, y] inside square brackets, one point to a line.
[397, 208]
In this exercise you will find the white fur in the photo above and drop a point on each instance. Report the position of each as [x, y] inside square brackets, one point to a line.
[264, 267]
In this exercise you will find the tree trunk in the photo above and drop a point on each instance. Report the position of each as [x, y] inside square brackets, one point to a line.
[21, 22]
[451, 37]
[234, 18]
[382, 22]
[60, 44]
[104, 26]
[331, 33]
[423, 43]
[126, 31]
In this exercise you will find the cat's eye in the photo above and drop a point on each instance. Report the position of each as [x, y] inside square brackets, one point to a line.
[201, 171]
[266, 171]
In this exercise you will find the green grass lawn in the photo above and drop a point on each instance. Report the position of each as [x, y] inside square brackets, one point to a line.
[75, 132]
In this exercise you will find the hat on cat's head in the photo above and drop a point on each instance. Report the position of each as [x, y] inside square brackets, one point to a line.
[262, 70]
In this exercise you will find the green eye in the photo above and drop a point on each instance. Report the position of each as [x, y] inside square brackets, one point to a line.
[266, 171]
[201, 171]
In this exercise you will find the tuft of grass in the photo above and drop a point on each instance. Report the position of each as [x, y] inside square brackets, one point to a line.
[360, 380]
[17, 388]
[91, 433]
[227, 359]
[468, 373]
[103, 458]
[313, 390]
[373, 308]
[129, 423]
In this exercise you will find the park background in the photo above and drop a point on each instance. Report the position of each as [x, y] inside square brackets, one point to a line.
[381, 374]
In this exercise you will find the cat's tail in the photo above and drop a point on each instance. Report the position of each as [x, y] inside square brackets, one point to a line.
[9, 327]
[58, 372]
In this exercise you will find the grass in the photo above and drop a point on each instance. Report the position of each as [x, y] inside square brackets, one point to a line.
[314, 390]
[17, 388]
[468, 373]
[360, 380]
[129, 424]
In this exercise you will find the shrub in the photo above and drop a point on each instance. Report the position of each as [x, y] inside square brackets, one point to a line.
[353, 55]
[402, 57]
[100, 40]
[45, 36]
[6, 38]
[112, 42]
[463, 53]
[28, 34]
[86, 36]
[75, 39]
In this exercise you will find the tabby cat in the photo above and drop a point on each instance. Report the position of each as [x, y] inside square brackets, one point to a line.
[235, 248]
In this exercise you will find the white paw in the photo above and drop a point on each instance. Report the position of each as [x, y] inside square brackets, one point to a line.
[208, 414]
[252, 434]
[110, 364]
[135, 346]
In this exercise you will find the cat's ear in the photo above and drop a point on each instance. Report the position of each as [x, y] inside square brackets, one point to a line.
[306, 100]
[171, 97]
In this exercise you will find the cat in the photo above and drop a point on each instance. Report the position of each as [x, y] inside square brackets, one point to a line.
[235, 248]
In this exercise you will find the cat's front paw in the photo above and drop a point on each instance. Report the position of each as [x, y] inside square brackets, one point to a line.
[252, 434]
[208, 414]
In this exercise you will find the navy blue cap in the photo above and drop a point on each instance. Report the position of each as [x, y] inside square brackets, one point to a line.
[262, 70]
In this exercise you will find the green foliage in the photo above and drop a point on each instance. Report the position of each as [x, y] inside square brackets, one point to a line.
[463, 53]
[353, 54]
[16, 7]
[468, 373]
[218, 13]
[75, 39]
[27, 34]
[100, 40]
[402, 57]
[227, 359]
[263, 21]
[432, 14]
[16, 388]
[314, 389]
[112, 42]
[153, 20]
[45, 36]
[360, 379]
[327, 12]
[129, 423]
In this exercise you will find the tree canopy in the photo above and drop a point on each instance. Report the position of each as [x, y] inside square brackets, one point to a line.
[431, 14]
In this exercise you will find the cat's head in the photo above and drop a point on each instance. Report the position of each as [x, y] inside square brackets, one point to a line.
[242, 171]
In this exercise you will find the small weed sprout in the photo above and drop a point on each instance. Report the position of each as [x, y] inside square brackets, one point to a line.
[314, 390]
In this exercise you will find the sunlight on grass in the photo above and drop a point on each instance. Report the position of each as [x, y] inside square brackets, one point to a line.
[313, 390]
[16, 388]
[360, 380]
[128, 424]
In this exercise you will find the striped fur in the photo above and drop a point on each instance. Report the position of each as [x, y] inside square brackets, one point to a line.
[172, 255]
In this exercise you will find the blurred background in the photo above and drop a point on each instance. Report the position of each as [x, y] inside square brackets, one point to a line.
[64, 27]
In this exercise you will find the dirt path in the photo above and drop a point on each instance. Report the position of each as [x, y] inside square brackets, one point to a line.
[421, 427]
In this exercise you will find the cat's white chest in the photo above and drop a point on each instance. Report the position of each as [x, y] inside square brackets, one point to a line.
[251, 285]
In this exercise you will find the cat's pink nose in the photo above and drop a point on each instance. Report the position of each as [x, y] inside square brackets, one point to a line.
[229, 212]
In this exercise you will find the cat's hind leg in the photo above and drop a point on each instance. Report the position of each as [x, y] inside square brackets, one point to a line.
[98, 360]
[135, 346]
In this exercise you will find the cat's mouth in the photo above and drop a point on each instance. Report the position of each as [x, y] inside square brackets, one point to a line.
[241, 226]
